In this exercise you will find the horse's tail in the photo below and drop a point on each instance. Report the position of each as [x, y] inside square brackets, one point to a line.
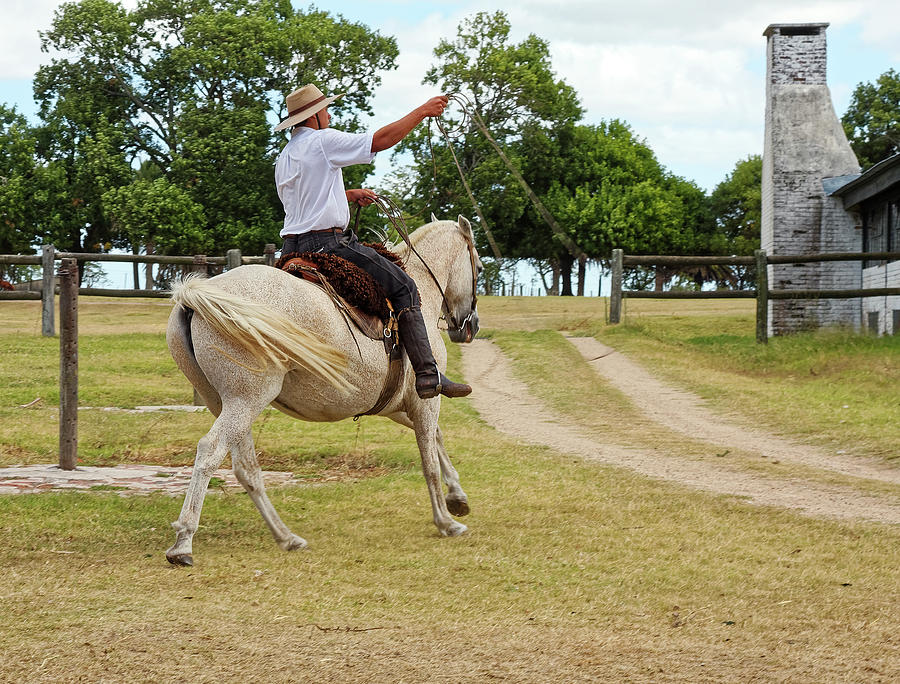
[271, 337]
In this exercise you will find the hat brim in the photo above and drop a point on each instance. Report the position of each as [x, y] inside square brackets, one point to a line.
[304, 114]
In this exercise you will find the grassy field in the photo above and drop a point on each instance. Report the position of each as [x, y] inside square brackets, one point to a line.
[571, 571]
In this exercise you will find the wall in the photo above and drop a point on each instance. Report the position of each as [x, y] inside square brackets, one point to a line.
[883, 307]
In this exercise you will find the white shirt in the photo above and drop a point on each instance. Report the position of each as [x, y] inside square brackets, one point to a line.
[309, 179]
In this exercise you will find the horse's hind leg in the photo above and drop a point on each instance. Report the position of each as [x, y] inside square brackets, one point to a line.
[248, 473]
[211, 451]
[226, 434]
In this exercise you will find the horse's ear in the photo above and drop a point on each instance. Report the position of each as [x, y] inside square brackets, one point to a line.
[433, 218]
[463, 223]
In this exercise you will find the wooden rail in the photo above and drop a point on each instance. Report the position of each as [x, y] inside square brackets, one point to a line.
[762, 293]
[197, 263]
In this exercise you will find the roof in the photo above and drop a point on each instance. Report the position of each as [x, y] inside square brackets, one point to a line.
[857, 189]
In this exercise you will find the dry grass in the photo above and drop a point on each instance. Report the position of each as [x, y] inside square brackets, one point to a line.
[571, 571]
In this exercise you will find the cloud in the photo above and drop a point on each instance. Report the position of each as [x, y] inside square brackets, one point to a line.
[19, 35]
[879, 26]
[21, 54]
[688, 75]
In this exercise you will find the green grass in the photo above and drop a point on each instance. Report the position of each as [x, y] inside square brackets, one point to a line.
[570, 572]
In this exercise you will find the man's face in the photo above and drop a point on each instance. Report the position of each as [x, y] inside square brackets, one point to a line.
[324, 118]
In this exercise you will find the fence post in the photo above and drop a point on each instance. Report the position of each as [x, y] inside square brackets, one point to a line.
[68, 364]
[762, 296]
[199, 265]
[48, 290]
[233, 258]
[269, 253]
[615, 295]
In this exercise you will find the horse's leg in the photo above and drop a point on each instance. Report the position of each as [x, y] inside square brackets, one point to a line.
[228, 431]
[225, 435]
[425, 424]
[456, 499]
[246, 470]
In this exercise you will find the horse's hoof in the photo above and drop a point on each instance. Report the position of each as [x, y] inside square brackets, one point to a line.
[458, 507]
[183, 559]
[295, 543]
[454, 529]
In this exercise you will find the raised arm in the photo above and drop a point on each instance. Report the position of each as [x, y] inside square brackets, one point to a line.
[388, 136]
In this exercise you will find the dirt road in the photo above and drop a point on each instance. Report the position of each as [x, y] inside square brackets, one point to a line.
[508, 405]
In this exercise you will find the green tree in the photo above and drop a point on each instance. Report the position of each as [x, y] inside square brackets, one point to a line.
[190, 89]
[40, 197]
[602, 184]
[736, 206]
[512, 88]
[17, 170]
[872, 121]
[612, 192]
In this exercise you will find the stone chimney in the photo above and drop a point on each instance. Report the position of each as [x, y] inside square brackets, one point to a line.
[804, 144]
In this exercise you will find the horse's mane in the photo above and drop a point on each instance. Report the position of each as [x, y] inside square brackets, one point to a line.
[417, 236]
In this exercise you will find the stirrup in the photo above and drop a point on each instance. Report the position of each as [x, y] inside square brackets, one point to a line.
[443, 386]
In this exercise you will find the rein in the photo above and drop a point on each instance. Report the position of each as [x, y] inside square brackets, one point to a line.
[390, 209]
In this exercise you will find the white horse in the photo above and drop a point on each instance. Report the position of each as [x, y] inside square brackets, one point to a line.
[256, 336]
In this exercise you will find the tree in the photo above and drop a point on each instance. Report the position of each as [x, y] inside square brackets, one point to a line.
[513, 90]
[190, 89]
[611, 192]
[736, 207]
[603, 185]
[872, 121]
[17, 166]
[34, 198]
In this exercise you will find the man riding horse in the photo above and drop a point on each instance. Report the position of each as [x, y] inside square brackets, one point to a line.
[317, 216]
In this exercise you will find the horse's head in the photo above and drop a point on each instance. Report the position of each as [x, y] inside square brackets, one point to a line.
[459, 295]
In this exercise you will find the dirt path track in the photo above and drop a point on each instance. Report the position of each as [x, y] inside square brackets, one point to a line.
[506, 403]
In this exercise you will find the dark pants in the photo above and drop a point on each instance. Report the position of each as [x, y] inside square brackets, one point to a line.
[400, 289]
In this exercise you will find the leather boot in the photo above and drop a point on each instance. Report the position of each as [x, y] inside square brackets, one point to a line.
[429, 380]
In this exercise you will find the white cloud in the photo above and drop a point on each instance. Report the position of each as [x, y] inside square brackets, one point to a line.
[21, 53]
[880, 23]
[19, 35]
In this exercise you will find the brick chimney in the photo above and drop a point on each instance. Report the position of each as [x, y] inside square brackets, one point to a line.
[804, 144]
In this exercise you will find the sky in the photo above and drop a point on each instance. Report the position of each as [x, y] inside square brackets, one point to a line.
[688, 76]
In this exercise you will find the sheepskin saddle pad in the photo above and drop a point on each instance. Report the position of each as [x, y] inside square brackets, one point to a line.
[353, 290]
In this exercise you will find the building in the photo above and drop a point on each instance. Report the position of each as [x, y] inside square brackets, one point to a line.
[874, 198]
[814, 198]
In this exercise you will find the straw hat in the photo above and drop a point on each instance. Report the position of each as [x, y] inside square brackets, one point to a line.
[303, 103]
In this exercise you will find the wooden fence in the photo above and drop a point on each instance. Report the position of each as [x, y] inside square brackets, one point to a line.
[197, 263]
[68, 315]
[762, 293]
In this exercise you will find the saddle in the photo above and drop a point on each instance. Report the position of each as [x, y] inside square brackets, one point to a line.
[360, 299]
[355, 293]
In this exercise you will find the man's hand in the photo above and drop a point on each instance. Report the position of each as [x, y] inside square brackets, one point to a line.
[388, 136]
[435, 106]
[361, 196]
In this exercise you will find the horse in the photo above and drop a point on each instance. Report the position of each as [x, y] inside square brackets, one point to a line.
[256, 336]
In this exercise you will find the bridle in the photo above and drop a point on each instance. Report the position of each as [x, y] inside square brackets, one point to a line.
[395, 216]
[447, 314]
